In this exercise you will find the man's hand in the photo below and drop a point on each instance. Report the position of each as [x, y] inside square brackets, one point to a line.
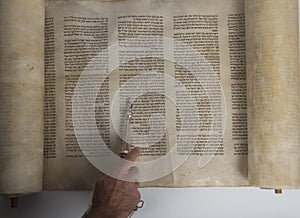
[115, 198]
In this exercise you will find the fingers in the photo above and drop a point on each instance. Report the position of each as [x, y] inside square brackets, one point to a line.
[133, 154]
[130, 157]
[134, 198]
[121, 171]
[133, 174]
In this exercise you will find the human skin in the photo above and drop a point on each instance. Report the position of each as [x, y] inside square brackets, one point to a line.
[115, 198]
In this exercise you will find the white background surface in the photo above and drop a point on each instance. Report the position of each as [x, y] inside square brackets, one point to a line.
[166, 203]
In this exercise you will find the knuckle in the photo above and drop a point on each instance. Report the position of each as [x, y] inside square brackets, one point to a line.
[137, 196]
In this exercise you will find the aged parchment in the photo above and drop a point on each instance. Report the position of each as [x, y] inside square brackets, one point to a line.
[215, 29]
[273, 93]
[21, 96]
[76, 31]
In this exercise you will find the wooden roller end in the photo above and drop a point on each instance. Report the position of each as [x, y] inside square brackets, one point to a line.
[14, 202]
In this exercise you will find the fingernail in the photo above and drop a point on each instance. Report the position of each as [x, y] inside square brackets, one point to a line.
[138, 149]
